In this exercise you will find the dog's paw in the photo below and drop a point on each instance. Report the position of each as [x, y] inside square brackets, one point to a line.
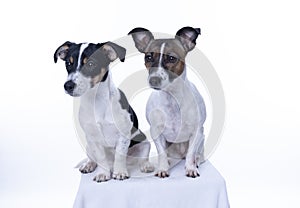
[102, 177]
[120, 175]
[162, 174]
[88, 167]
[192, 172]
[147, 167]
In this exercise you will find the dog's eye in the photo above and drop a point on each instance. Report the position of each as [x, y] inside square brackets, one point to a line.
[91, 65]
[68, 65]
[149, 58]
[172, 59]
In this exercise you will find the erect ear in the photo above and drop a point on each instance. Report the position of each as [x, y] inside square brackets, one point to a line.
[62, 51]
[114, 51]
[187, 36]
[141, 38]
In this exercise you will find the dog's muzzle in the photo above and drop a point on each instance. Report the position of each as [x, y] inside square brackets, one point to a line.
[69, 87]
[155, 82]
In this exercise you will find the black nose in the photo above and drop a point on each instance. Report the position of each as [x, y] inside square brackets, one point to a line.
[69, 86]
[155, 81]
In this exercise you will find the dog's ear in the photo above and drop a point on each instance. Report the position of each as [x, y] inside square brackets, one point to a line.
[62, 51]
[187, 36]
[141, 38]
[113, 51]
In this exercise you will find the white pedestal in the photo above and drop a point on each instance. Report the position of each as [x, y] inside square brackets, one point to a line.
[206, 191]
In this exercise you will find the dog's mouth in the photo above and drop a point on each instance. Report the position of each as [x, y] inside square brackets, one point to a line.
[72, 94]
[75, 95]
[78, 89]
[156, 88]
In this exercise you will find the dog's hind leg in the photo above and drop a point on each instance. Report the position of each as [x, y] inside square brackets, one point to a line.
[140, 153]
[194, 154]
[200, 154]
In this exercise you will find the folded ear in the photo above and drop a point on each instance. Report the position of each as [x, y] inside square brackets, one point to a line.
[114, 51]
[188, 36]
[62, 51]
[141, 38]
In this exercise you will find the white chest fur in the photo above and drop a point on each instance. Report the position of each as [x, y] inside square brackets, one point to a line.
[101, 115]
[177, 112]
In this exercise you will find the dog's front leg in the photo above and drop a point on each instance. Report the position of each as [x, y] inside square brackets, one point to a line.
[88, 166]
[193, 154]
[163, 164]
[97, 152]
[120, 170]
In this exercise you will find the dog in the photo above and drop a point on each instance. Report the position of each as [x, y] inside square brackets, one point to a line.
[175, 110]
[108, 121]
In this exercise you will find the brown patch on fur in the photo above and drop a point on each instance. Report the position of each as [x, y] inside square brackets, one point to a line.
[62, 52]
[155, 62]
[112, 55]
[85, 60]
[177, 68]
[148, 65]
[99, 77]
[173, 47]
[71, 60]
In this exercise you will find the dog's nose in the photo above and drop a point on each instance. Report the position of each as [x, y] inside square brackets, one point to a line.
[69, 86]
[155, 81]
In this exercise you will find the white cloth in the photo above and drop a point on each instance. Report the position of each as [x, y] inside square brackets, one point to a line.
[206, 191]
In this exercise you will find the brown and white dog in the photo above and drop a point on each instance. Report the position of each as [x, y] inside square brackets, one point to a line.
[175, 110]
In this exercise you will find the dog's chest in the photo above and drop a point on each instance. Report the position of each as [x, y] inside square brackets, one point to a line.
[171, 109]
[178, 115]
[97, 120]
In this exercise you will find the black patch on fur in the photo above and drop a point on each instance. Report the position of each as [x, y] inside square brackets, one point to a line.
[67, 43]
[95, 55]
[137, 139]
[125, 105]
[74, 52]
[101, 59]
[138, 29]
[104, 77]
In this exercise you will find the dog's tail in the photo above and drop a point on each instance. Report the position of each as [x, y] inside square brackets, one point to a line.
[137, 137]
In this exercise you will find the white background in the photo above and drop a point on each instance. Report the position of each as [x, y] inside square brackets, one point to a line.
[253, 45]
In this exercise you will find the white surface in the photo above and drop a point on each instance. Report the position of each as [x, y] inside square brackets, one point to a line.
[206, 191]
[253, 45]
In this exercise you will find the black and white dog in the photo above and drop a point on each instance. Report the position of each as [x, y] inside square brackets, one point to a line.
[108, 121]
[175, 110]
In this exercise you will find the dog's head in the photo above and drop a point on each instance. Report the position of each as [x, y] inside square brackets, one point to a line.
[164, 58]
[87, 64]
